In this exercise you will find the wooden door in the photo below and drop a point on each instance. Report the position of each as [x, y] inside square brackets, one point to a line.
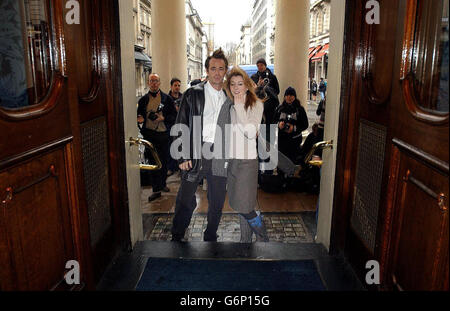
[61, 188]
[391, 202]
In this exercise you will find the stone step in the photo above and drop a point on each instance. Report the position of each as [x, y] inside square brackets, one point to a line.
[231, 250]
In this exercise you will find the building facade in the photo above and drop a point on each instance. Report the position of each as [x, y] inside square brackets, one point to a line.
[194, 43]
[244, 49]
[142, 24]
[319, 39]
[263, 30]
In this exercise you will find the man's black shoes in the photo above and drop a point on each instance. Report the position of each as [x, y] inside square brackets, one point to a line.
[154, 196]
[177, 238]
[210, 239]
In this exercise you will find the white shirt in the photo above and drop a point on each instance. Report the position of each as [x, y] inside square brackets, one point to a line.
[213, 103]
[245, 130]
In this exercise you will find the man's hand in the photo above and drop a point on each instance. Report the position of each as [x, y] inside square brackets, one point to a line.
[140, 119]
[260, 82]
[281, 125]
[291, 129]
[160, 117]
[185, 166]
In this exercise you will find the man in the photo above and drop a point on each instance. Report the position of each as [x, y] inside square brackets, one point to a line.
[204, 102]
[176, 95]
[264, 75]
[157, 113]
[322, 88]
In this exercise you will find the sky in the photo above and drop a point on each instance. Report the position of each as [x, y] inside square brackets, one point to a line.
[228, 16]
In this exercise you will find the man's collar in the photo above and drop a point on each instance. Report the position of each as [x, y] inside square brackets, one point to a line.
[210, 87]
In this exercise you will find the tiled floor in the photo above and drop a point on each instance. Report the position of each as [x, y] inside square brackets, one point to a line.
[286, 228]
[284, 216]
[291, 202]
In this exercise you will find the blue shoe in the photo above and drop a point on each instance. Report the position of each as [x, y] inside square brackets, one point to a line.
[258, 226]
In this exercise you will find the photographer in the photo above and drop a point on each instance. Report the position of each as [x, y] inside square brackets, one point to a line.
[292, 121]
[157, 112]
[174, 93]
[265, 77]
[271, 103]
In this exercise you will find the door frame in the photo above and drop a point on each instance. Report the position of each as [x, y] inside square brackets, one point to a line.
[125, 94]
[331, 177]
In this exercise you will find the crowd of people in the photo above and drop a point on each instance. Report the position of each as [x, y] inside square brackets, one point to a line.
[225, 97]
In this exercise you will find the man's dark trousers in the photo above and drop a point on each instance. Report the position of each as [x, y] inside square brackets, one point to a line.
[186, 203]
[160, 141]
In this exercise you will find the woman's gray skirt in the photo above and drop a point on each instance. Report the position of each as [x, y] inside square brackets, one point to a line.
[243, 185]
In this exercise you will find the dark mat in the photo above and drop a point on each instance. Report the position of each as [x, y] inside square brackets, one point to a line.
[170, 274]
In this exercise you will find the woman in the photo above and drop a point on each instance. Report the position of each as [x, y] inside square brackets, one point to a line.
[292, 121]
[242, 179]
[314, 90]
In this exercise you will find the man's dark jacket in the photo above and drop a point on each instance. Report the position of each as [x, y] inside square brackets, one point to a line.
[322, 86]
[192, 105]
[273, 81]
[169, 111]
[302, 119]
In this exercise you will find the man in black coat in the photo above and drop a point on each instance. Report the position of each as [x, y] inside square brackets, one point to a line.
[322, 88]
[157, 113]
[201, 106]
[264, 76]
[176, 95]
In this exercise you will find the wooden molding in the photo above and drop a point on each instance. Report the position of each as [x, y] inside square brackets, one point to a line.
[96, 34]
[412, 103]
[428, 159]
[407, 77]
[93, 92]
[367, 70]
[45, 106]
[58, 66]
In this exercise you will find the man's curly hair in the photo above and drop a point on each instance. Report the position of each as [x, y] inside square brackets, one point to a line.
[217, 54]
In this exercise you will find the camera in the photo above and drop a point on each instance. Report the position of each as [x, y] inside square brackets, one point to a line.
[265, 77]
[177, 102]
[153, 114]
[287, 122]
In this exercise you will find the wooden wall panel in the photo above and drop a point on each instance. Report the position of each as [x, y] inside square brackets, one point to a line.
[420, 224]
[37, 222]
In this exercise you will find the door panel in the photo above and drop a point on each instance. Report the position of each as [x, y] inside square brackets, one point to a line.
[62, 189]
[392, 192]
[37, 232]
[421, 204]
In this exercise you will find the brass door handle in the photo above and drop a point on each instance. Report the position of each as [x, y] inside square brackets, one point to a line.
[149, 145]
[319, 145]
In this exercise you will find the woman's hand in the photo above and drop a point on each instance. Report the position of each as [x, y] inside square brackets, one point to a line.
[185, 166]
[239, 99]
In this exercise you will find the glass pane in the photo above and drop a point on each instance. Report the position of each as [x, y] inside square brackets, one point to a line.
[442, 100]
[430, 64]
[24, 53]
